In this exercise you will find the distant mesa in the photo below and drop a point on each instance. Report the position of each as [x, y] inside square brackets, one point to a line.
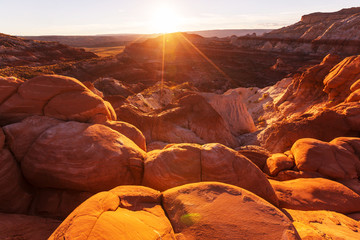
[16, 51]
[316, 33]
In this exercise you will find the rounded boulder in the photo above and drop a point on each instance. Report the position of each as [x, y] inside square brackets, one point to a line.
[83, 157]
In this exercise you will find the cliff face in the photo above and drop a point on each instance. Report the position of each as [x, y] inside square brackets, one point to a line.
[318, 26]
[316, 33]
[320, 103]
[15, 51]
[321, 17]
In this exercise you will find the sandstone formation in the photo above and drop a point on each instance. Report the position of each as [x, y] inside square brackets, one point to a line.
[187, 212]
[184, 120]
[175, 165]
[56, 203]
[15, 195]
[16, 51]
[233, 110]
[193, 211]
[316, 194]
[320, 225]
[305, 110]
[339, 159]
[17, 226]
[59, 97]
[34, 139]
[212, 64]
[316, 33]
[256, 154]
[330, 160]
[127, 212]
[179, 164]
[202, 154]
[20, 136]
[111, 160]
[278, 162]
[128, 131]
[338, 83]
[110, 86]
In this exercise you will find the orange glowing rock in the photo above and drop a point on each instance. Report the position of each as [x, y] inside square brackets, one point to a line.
[178, 164]
[316, 194]
[127, 212]
[52, 95]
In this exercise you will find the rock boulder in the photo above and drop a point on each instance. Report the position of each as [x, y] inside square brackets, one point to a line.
[84, 157]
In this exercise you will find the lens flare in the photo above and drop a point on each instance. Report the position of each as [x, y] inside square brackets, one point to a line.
[190, 219]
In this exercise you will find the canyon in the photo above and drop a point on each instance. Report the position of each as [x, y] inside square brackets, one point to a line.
[184, 137]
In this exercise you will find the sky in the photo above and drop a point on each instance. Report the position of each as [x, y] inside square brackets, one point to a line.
[91, 17]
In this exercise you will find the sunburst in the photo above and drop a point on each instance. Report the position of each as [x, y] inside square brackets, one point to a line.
[165, 20]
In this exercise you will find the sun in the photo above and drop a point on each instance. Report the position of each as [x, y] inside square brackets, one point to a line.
[165, 20]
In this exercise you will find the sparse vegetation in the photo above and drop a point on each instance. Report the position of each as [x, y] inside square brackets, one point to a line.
[265, 95]
[261, 120]
[268, 105]
[106, 51]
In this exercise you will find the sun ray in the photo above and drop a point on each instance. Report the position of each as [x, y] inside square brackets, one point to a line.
[206, 58]
[142, 36]
[162, 65]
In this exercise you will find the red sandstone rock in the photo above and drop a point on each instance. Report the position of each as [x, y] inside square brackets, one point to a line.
[355, 216]
[179, 164]
[222, 164]
[17, 51]
[278, 162]
[56, 96]
[156, 146]
[128, 131]
[8, 86]
[292, 174]
[232, 109]
[204, 121]
[127, 212]
[355, 86]
[2, 138]
[353, 184]
[16, 108]
[220, 211]
[354, 96]
[330, 160]
[57, 203]
[191, 119]
[325, 125]
[349, 143]
[20, 136]
[305, 90]
[45, 87]
[15, 196]
[82, 157]
[175, 165]
[338, 82]
[111, 86]
[310, 113]
[351, 111]
[24, 227]
[91, 87]
[317, 33]
[85, 107]
[316, 194]
[256, 154]
[318, 225]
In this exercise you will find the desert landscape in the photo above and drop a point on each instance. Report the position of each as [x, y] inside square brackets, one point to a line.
[221, 134]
